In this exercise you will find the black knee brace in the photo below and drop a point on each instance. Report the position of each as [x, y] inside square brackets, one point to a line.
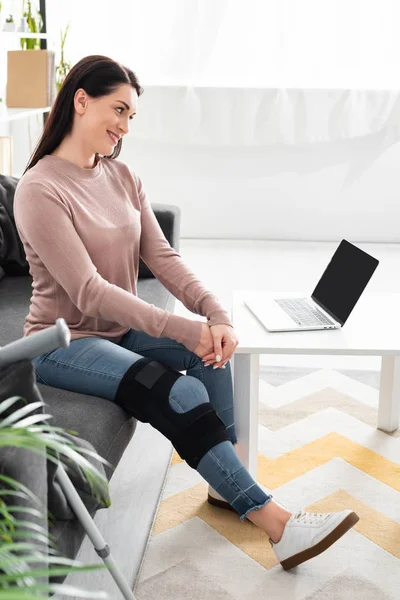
[144, 393]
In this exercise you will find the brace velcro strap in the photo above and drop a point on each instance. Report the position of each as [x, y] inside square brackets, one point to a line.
[149, 374]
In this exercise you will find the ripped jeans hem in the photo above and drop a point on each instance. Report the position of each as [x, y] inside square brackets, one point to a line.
[242, 517]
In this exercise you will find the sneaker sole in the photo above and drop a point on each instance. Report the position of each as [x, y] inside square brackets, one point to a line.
[323, 545]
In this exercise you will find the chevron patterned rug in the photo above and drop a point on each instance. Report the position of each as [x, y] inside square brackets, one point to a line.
[319, 450]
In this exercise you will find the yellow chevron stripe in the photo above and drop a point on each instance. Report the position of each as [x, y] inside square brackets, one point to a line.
[190, 503]
[273, 473]
[276, 472]
[176, 459]
[375, 526]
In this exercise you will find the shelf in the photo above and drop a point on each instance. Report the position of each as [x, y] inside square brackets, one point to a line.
[25, 34]
[12, 114]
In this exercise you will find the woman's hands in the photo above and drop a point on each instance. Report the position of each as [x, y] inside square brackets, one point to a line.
[217, 344]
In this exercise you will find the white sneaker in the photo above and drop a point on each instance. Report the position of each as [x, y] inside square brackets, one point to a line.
[308, 534]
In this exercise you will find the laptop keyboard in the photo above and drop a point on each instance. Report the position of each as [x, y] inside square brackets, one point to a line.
[302, 313]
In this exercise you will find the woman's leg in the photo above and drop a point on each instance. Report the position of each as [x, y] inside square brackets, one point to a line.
[96, 366]
[90, 365]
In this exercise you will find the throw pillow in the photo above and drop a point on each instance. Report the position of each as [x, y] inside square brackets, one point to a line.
[12, 254]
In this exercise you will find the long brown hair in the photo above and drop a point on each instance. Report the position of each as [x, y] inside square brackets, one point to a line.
[98, 76]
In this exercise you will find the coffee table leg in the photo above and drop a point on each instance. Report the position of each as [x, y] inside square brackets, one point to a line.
[389, 394]
[246, 397]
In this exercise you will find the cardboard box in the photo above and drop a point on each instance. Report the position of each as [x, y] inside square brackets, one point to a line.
[30, 78]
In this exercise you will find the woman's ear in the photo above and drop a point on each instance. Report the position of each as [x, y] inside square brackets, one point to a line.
[80, 101]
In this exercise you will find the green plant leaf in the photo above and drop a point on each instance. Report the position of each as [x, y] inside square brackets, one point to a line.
[21, 412]
[25, 439]
[19, 559]
[5, 404]
[15, 546]
[24, 509]
[25, 525]
[20, 486]
[66, 590]
[53, 436]
[18, 594]
[28, 421]
[29, 525]
[35, 556]
[12, 493]
[54, 572]
[38, 537]
[69, 590]
[56, 560]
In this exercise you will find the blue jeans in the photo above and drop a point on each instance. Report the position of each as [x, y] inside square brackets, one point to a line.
[95, 366]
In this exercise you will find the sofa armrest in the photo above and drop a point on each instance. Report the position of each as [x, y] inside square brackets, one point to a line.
[169, 218]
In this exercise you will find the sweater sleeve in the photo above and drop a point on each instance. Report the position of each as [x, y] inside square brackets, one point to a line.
[46, 224]
[169, 268]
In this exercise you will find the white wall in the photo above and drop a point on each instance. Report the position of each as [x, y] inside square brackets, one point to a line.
[26, 133]
[309, 176]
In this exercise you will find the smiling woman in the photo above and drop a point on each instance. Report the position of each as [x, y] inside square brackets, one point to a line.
[91, 113]
[85, 221]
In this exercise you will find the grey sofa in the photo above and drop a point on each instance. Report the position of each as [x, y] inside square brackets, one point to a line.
[108, 428]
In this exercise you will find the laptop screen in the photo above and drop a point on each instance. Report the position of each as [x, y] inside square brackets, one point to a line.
[344, 280]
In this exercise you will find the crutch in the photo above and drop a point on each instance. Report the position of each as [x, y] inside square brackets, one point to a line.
[28, 348]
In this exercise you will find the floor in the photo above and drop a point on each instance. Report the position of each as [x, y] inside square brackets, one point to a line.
[224, 266]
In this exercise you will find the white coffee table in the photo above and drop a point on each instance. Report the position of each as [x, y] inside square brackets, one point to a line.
[373, 329]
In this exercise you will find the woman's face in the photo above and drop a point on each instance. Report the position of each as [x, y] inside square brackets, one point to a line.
[103, 121]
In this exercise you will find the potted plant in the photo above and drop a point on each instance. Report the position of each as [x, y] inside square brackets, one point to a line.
[23, 24]
[35, 25]
[9, 25]
[63, 66]
[20, 577]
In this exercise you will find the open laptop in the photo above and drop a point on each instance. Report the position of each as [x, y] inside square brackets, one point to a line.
[330, 304]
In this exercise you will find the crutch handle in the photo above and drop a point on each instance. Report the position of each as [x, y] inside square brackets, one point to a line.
[34, 345]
